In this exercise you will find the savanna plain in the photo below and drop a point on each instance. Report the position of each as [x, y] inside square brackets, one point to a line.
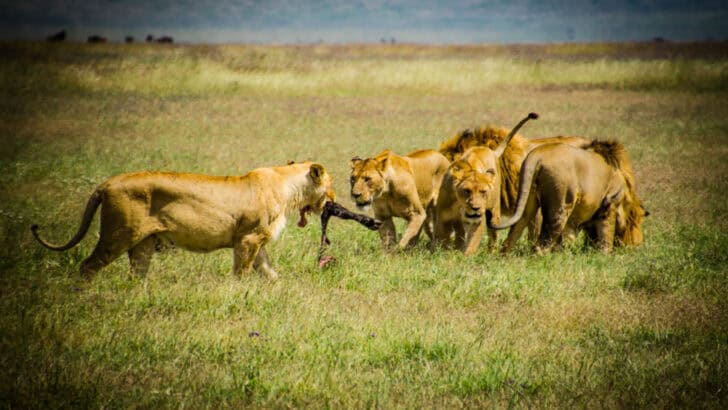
[641, 327]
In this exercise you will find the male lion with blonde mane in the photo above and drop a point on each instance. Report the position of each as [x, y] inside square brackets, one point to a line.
[199, 213]
[591, 189]
[471, 193]
[509, 163]
[399, 186]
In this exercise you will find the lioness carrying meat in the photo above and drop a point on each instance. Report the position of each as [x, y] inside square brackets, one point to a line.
[399, 186]
[200, 213]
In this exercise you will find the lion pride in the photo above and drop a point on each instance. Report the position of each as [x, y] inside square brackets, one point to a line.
[509, 164]
[399, 186]
[199, 213]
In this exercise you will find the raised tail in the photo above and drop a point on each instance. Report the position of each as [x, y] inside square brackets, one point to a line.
[502, 146]
[88, 214]
[528, 171]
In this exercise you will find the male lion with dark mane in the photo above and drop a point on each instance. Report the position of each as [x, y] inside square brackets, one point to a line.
[471, 193]
[399, 186]
[591, 189]
[199, 213]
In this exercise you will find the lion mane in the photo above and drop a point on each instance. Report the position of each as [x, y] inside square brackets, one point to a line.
[616, 156]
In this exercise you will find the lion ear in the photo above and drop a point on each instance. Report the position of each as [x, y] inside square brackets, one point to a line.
[290, 162]
[490, 171]
[355, 161]
[383, 163]
[317, 173]
[457, 169]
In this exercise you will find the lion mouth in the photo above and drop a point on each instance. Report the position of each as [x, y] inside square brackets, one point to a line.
[473, 216]
[302, 214]
[363, 204]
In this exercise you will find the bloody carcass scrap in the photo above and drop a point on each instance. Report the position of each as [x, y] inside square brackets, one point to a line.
[339, 211]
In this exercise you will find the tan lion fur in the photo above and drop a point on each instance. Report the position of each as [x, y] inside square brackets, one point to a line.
[576, 189]
[199, 213]
[399, 186]
[469, 192]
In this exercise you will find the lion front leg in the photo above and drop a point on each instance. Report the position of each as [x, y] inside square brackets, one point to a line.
[246, 250]
[387, 233]
[414, 225]
[473, 237]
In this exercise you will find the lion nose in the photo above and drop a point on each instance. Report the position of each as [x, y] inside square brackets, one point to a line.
[355, 195]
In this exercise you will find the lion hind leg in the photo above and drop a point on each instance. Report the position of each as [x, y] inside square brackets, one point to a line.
[140, 256]
[554, 223]
[262, 264]
[107, 249]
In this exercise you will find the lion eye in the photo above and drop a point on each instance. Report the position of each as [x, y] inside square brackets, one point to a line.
[483, 191]
[467, 192]
[367, 179]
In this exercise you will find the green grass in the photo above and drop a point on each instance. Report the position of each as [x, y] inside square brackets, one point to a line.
[644, 327]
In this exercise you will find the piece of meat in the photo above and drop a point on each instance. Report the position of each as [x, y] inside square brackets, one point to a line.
[339, 211]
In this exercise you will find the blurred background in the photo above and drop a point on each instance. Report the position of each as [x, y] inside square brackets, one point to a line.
[368, 21]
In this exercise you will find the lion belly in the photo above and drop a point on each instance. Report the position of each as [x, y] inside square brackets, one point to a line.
[197, 229]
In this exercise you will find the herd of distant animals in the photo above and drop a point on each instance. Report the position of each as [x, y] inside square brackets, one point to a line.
[95, 38]
[481, 179]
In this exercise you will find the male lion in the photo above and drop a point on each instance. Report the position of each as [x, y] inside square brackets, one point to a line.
[509, 164]
[578, 188]
[399, 186]
[470, 193]
[198, 212]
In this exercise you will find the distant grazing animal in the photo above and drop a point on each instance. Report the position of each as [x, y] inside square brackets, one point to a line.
[149, 38]
[96, 39]
[471, 193]
[165, 39]
[399, 186]
[58, 37]
[591, 189]
[129, 39]
[200, 213]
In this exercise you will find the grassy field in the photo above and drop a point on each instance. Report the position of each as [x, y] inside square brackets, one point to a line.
[645, 327]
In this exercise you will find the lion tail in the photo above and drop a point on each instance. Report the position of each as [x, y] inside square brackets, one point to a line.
[528, 172]
[502, 146]
[88, 214]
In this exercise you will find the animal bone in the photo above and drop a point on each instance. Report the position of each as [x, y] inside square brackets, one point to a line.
[334, 209]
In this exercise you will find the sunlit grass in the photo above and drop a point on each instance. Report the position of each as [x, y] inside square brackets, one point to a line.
[639, 328]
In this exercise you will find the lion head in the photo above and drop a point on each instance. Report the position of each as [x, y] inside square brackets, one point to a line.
[367, 178]
[320, 190]
[630, 211]
[474, 190]
[509, 163]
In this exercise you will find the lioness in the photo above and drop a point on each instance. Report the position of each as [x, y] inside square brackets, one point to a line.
[577, 189]
[399, 186]
[199, 213]
[470, 193]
